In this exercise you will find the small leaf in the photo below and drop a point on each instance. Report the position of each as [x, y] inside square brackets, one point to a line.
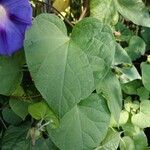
[124, 116]
[10, 117]
[124, 65]
[137, 139]
[140, 141]
[41, 111]
[127, 143]
[146, 75]
[125, 32]
[130, 129]
[15, 138]
[143, 93]
[10, 73]
[145, 32]
[111, 89]
[130, 88]
[145, 107]
[20, 107]
[43, 144]
[136, 47]
[142, 119]
[111, 140]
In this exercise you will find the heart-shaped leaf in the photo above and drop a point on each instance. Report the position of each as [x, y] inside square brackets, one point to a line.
[59, 65]
[84, 126]
[60, 69]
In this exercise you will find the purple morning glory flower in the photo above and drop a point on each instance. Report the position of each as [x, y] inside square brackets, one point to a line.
[15, 18]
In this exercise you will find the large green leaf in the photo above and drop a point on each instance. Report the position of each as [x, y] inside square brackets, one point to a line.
[104, 10]
[146, 75]
[10, 73]
[111, 89]
[84, 126]
[134, 10]
[60, 69]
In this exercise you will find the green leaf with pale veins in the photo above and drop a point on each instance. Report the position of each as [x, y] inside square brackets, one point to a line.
[98, 43]
[105, 11]
[95, 39]
[111, 141]
[59, 67]
[134, 10]
[84, 126]
[111, 89]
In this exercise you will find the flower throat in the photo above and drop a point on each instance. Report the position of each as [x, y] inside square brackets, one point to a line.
[3, 14]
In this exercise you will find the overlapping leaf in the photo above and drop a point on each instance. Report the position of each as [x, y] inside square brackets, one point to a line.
[142, 119]
[105, 11]
[146, 75]
[84, 126]
[127, 70]
[133, 10]
[111, 89]
[10, 73]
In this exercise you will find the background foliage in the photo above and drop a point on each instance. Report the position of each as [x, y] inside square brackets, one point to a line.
[82, 79]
